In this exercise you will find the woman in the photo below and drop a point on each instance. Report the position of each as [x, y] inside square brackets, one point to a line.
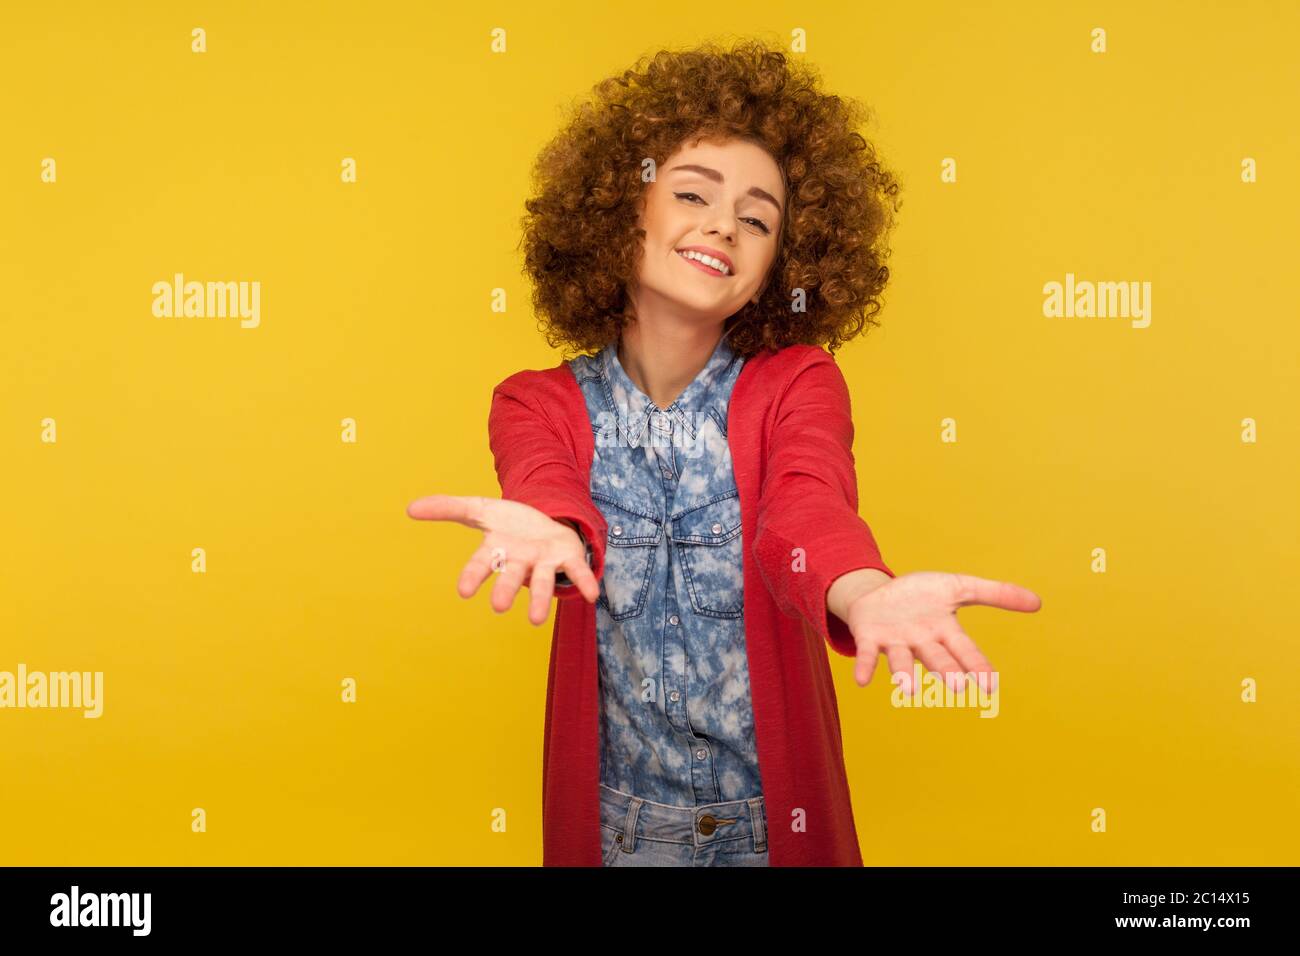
[685, 487]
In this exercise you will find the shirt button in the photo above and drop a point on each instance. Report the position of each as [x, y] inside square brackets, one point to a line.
[674, 620]
[618, 530]
[717, 529]
[675, 696]
[667, 473]
[701, 753]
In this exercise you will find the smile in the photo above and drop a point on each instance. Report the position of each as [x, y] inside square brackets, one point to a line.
[706, 264]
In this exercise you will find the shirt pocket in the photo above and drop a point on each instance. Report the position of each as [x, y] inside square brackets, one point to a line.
[632, 540]
[709, 546]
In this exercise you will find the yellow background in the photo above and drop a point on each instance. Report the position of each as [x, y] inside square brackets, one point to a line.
[222, 689]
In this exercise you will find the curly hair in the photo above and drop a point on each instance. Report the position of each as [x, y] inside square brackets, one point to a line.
[581, 239]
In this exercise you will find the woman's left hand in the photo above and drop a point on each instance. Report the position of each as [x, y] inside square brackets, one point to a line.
[916, 614]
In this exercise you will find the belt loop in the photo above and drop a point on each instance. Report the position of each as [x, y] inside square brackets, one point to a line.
[760, 829]
[629, 824]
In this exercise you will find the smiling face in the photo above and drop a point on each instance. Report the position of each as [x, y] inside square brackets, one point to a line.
[722, 202]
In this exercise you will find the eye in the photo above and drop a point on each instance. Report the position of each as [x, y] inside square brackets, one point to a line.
[758, 223]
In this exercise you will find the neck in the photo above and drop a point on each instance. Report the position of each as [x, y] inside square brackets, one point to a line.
[663, 361]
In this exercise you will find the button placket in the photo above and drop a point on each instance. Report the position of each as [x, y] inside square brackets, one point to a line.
[672, 650]
[663, 424]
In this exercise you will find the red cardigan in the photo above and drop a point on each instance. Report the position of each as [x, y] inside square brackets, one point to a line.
[790, 431]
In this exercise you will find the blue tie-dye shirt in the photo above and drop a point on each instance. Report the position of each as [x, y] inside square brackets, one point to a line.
[677, 723]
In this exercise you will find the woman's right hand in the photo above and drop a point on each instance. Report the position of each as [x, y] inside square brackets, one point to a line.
[526, 546]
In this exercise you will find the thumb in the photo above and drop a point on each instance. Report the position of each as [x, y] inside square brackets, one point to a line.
[465, 509]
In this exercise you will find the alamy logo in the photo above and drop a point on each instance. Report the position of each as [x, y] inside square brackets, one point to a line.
[208, 300]
[83, 689]
[1105, 300]
[102, 909]
[930, 689]
[659, 432]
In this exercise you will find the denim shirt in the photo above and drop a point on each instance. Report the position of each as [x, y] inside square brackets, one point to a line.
[677, 721]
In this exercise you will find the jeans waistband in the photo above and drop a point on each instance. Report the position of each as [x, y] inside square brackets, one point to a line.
[639, 819]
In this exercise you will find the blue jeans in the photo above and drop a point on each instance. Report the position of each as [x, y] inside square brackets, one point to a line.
[636, 832]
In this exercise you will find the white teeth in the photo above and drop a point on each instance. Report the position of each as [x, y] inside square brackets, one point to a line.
[709, 261]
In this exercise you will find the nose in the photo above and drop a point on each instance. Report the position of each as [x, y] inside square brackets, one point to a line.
[724, 226]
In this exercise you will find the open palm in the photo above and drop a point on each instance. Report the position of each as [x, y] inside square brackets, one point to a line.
[916, 614]
[520, 542]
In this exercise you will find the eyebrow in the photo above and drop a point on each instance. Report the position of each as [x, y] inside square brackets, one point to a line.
[716, 176]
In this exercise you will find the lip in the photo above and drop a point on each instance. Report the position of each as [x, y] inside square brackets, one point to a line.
[710, 251]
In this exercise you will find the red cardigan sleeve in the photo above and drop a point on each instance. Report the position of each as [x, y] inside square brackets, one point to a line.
[809, 500]
[537, 466]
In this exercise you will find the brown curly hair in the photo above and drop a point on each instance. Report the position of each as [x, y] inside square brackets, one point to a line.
[581, 240]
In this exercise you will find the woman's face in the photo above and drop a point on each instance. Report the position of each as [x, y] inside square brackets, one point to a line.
[722, 200]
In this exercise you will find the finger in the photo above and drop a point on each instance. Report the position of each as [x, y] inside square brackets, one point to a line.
[972, 661]
[899, 657]
[467, 509]
[508, 583]
[865, 667]
[541, 587]
[582, 577]
[936, 658]
[481, 565]
[1003, 594]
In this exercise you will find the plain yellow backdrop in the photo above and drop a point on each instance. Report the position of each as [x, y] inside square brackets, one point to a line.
[222, 689]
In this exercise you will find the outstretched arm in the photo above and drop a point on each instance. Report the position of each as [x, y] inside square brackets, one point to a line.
[544, 533]
[821, 562]
[536, 466]
[809, 532]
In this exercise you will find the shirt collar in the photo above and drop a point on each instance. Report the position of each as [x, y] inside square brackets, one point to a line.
[633, 408]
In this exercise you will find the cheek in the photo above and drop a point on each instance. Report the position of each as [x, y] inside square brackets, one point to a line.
[667, 223]
[761, 267]
[652, 213]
